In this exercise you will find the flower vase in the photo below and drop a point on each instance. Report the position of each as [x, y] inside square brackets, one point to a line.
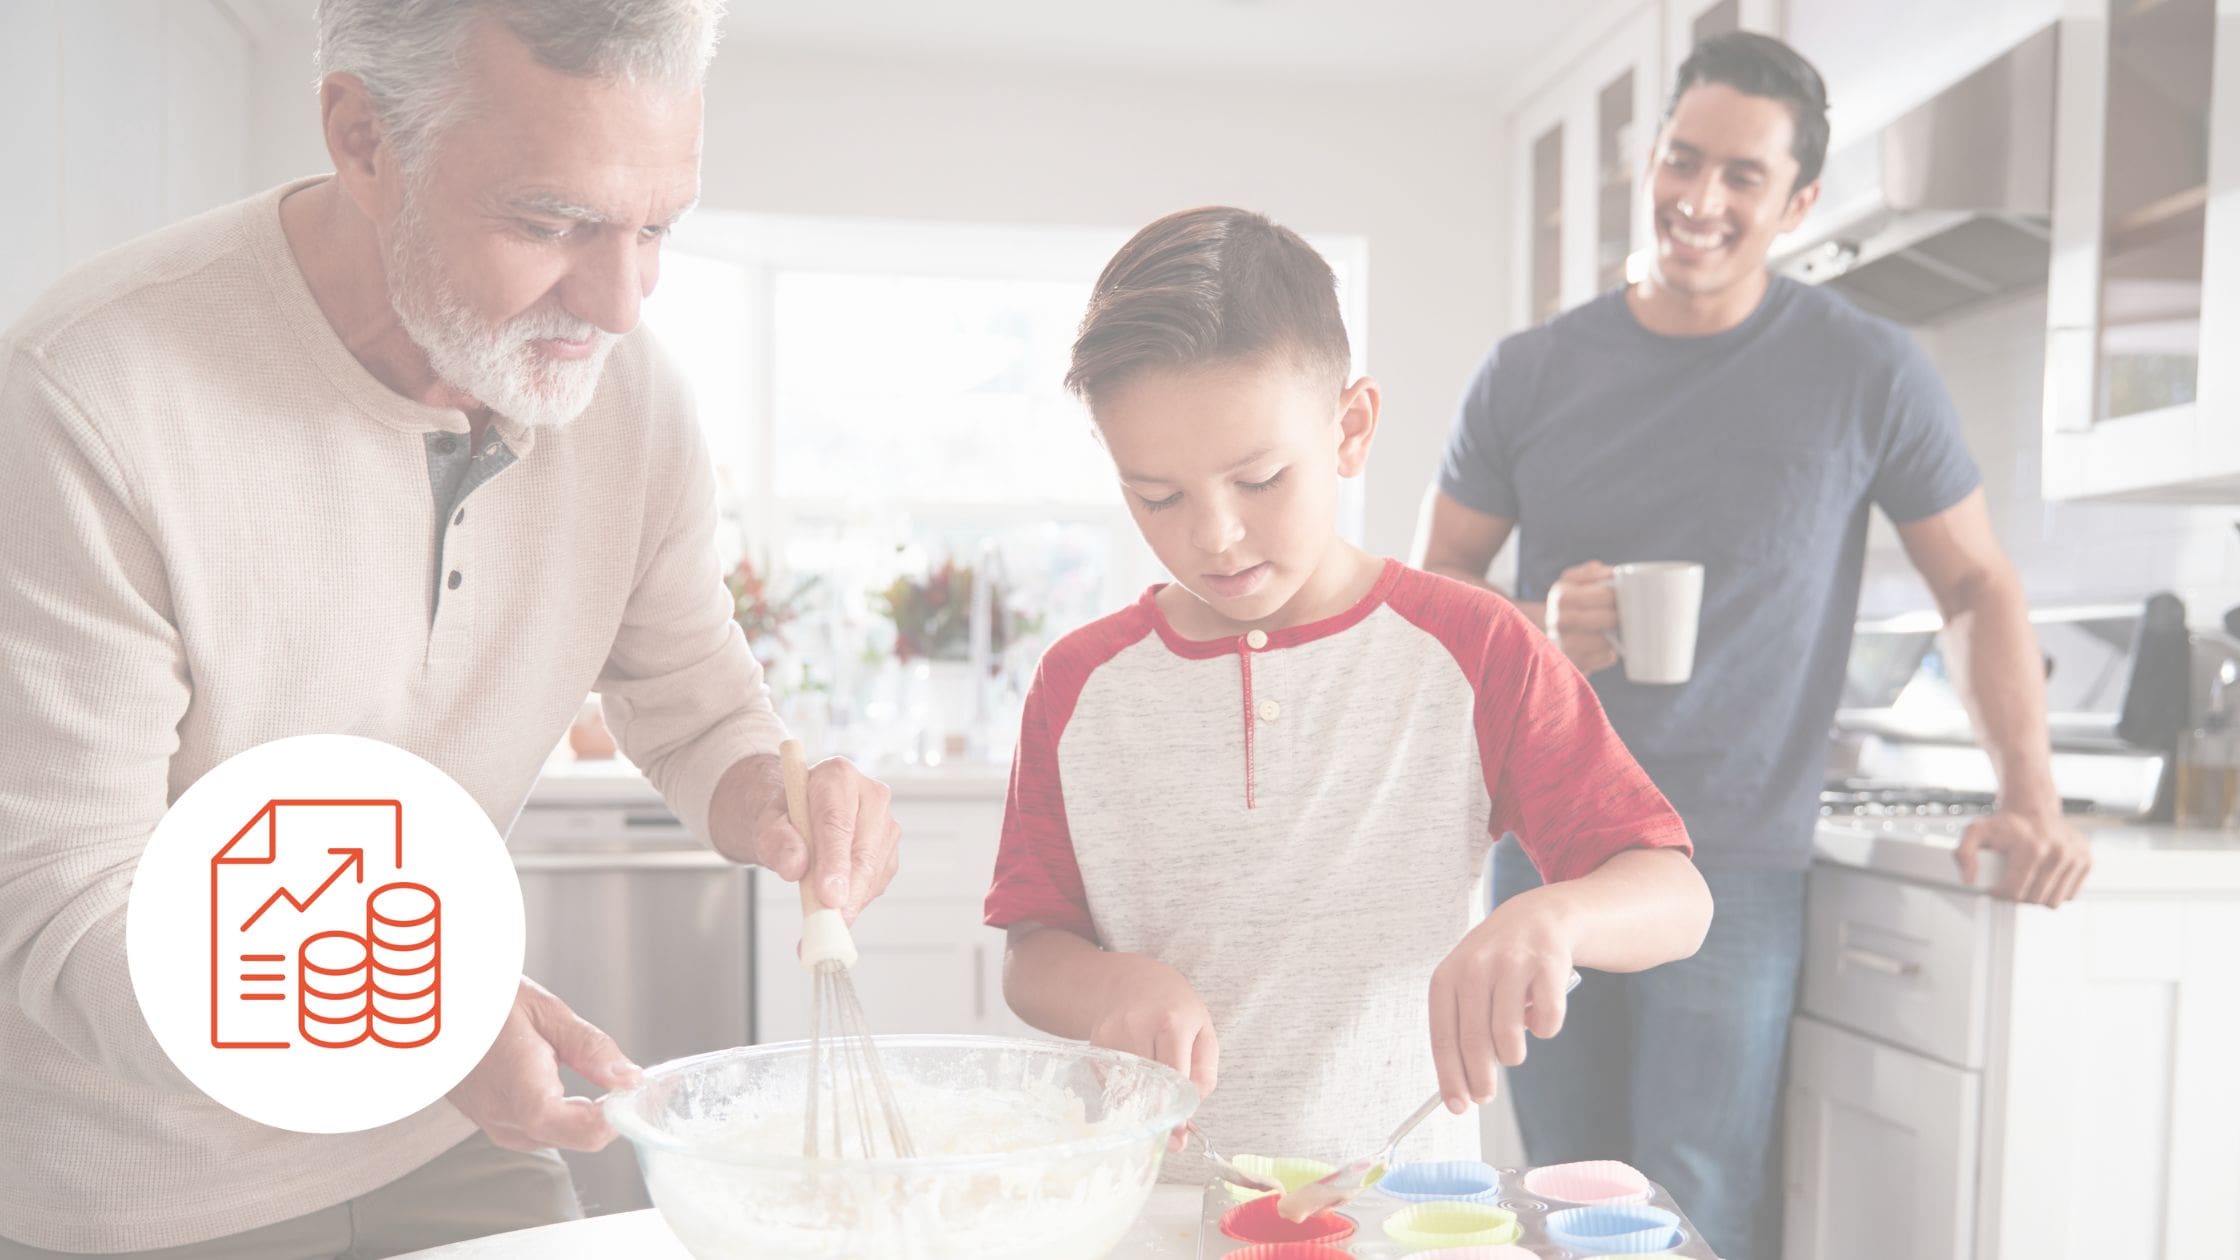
[943, 706]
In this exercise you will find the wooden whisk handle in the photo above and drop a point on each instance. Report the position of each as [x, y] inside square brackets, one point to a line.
[824, 934]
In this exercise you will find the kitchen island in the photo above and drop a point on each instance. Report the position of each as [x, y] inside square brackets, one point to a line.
[2017, 1077]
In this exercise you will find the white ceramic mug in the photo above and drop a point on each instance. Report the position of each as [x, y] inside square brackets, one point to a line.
[1659, 603]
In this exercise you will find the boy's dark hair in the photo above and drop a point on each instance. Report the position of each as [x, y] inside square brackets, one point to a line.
[1214, 284]
[1760, 65]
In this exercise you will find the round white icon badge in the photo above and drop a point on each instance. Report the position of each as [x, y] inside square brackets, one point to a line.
[325, 933]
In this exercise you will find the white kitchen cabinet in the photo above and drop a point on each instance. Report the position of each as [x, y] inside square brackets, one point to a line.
[928, 964]
[123, 115]
[921, 969]
[1976, 1080]
[1881, 1150]
[2145, 282]
[1578, 150]
[2110, 1093]
[1910, 961]
[1690, 22]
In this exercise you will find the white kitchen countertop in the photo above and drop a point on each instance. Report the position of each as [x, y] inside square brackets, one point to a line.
[2126, 857]
[614, 782]
[1168, 1230]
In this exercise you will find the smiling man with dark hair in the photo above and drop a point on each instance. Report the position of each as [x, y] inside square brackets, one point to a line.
[1717, 414]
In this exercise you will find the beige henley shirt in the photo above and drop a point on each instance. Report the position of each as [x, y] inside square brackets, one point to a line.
[216, 529]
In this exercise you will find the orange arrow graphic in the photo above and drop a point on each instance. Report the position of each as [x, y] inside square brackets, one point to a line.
[351, 858]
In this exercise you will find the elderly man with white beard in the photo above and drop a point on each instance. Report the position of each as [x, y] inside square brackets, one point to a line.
[383, 453]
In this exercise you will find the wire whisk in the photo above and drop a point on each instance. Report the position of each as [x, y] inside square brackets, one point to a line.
[843, 1058]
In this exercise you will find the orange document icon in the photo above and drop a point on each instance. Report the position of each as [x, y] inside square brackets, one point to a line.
[317, 937]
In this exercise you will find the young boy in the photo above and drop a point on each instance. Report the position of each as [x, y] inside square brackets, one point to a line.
[1247, 814]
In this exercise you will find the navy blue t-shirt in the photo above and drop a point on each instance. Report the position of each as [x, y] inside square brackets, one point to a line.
[1756, 452]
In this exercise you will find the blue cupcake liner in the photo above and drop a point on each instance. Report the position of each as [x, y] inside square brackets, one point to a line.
[1451, 1180]
[1614, 1228]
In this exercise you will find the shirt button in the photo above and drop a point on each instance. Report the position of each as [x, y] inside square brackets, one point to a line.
[1256, 640]
[453, 580]
[461, 518]
[1269, 709]
[447, 444]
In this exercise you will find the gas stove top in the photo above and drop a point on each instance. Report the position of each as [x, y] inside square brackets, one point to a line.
[1892, 800]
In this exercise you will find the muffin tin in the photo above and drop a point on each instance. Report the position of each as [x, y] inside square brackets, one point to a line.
[1465, 1210]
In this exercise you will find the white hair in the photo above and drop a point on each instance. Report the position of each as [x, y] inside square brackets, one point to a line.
[411, 53]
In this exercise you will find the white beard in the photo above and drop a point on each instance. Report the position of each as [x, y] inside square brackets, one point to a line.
[496, 367]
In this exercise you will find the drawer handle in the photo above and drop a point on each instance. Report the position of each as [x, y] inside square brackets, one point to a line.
[1874, 960]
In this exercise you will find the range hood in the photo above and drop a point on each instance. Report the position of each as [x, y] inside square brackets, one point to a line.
[1945, 207]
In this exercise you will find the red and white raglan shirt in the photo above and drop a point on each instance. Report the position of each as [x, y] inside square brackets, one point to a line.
[1297, 822]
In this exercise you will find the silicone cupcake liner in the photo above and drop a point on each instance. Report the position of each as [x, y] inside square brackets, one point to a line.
[1257, 1222]
[1290, 1251]
[1612, 1228]
[1588, 1181]
[1449, 1181]
[1390, 1228]
[1452, 1225]
[1288, 1173]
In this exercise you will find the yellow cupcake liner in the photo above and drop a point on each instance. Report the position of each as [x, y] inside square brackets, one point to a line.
[1288, 1173]
[1453, 1225]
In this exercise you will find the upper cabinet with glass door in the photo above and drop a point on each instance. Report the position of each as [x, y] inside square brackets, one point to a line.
[1578, 150]
[2146, 255]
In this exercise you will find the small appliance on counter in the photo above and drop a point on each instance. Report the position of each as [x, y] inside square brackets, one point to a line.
[2208, 778]
[2124, 686]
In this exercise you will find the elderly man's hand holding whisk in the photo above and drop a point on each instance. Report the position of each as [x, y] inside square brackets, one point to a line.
[851, 852]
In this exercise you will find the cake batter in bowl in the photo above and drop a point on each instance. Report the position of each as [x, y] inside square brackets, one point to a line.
[1028, 1150]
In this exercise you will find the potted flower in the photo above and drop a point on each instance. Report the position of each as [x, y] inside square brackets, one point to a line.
[763, 608]
[932, 619]
[933, 615]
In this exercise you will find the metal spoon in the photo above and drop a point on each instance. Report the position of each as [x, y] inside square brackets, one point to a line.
[1352, 1178]
[1228, 1169]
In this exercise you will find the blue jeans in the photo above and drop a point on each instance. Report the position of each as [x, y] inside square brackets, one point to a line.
[1678, 1070]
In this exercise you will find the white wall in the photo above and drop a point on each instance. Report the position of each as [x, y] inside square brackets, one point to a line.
[116, 117]
[1993, 360]
[832, 133]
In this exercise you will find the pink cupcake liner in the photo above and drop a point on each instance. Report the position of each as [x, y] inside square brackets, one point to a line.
[1588, 1181]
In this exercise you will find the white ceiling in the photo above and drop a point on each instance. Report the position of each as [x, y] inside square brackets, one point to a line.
[1489, 47]
[1463, 45]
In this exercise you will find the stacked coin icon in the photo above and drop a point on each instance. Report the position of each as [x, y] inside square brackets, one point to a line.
[404, 936]
[333, 1010]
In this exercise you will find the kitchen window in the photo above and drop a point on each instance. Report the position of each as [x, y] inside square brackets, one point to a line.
[883, 397]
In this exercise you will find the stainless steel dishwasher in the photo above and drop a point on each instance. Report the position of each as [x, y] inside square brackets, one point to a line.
[641, 929]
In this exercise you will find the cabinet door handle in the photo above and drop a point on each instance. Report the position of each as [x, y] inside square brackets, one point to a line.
[979, 983]
[1874, 960]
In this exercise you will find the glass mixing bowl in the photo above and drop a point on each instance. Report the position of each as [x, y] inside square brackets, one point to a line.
[1033, 1150]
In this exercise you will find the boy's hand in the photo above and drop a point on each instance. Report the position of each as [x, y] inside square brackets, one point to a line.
[1158, 1016]
[1509, 974]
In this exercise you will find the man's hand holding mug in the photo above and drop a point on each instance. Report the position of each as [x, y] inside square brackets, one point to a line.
[1644, 613]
